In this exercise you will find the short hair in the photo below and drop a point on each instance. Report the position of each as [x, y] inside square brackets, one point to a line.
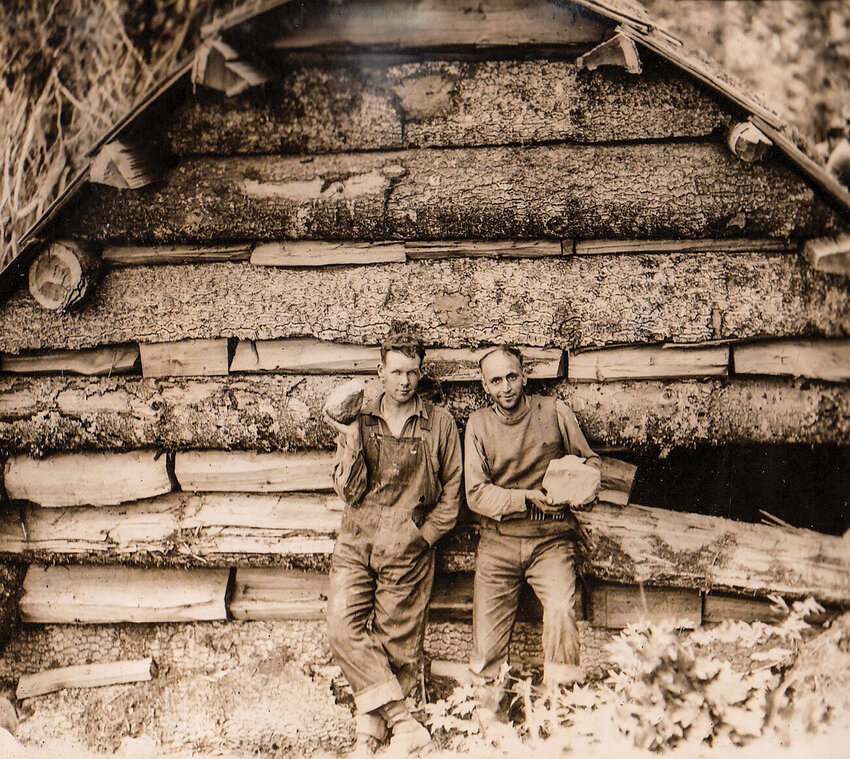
[508, 350]
[403, 342]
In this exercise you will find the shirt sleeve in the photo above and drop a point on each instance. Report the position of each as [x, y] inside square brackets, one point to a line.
[443, 516]
[349, 473]
[574, 440]
[482, 496]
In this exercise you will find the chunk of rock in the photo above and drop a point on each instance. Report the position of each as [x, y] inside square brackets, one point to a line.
[571, 482]
[343, 404]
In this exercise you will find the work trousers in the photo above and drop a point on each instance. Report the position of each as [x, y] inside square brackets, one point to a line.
[382, 573]
[547, 563]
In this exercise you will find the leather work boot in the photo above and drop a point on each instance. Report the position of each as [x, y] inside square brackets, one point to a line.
[410, 739]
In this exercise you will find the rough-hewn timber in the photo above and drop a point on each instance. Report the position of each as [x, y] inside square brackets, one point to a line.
[659, 547]
[85, 676]
[687, 189]
[361, 106]
[45, 414]
[566, 302]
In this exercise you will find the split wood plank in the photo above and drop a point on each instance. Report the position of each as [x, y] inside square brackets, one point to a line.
[461, 364]
[109, 360]
[716, 608]
[439, 24]
[424, 249]
[185, 358]
[649, 362]
[555, 191]
[85, 676]
[618, 51]
[444, 103]
[617, 480]
[92, 594]
[245, 471]
[304, 355]
[817, 359]
[273, 412]
[607, 247]
[150, 255]
[219, 66]
[830, 254]
[95, 479]
[125, 166]
[640, 544]
[617, 606]
[327, 253]
[279, 594]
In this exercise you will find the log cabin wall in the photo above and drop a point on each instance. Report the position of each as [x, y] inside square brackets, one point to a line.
[483, 192]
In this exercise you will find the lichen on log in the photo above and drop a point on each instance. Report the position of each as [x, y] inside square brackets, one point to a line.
[687, 190]
[564, 302]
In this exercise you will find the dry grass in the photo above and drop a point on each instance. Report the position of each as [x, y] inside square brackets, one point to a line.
[74, 67]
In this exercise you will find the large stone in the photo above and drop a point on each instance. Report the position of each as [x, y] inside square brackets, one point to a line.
[569, 481]
[343, 404]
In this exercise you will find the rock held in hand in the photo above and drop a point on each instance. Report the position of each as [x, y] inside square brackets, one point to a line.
[343, 404]
[569, 481]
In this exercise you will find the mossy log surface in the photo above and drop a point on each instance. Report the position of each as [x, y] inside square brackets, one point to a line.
[627, 190]
[567, 303]
[271, 412]
[358, 105]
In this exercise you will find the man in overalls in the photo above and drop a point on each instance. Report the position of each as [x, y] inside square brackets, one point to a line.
[507, 450]
[399, 472]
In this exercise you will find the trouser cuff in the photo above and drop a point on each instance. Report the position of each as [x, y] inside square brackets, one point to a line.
[562, 674]
[375, 696]
[371, 724]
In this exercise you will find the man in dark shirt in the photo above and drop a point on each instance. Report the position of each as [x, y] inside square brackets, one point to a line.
[399, 472]
[507, 450]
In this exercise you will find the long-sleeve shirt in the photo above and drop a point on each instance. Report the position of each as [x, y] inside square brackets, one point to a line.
[363, 476]
[504, 457]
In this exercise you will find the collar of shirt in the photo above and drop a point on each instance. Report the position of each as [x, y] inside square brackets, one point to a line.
[526, 408]
[375, 411]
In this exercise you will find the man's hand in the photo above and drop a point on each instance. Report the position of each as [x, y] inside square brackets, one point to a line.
[542, 501]
[349, 432]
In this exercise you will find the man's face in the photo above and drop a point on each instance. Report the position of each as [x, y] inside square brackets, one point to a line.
[503, 379]
[400, 375]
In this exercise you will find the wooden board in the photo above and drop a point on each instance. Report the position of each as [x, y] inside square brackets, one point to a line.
[678, 549]
[268, 412]
[95, 479]
[830, 254]
[608, 247]
[88, 594]
[425, 250]
[245, 471]
[649, 362]
[461, 364]
[304, 355]
[146, 255]
[109, 360]
[185, 358]
[84, 676]
[573, 301]
[716, 608]
[312, 253]
[617, 606]
[558, 191]
[617, 480]
[818, 359]
[356, 103]
[279, 594]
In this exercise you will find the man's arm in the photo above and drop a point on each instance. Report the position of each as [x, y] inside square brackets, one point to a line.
[573, 437]
[443, 516]
[482, 496]
[349, 474]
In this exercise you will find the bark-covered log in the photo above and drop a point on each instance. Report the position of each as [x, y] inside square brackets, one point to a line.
[265, 413]
[564, 302]
[660, 547]
[686, 190]
[358, 106]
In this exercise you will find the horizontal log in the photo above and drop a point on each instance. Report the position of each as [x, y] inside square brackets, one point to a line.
[283, 412]
[639, 544]
[418, 250]
[730, 245]
[311, 253]
[360, 105]
[85, 676]
[617, 606]
[818, 359]
[96, 479]
[306, 356]
[648, 362]
[185, 358]
[89, 594]
[247, 471]
[109, 360]
[145, 255]
[688, 190]
[570, 302]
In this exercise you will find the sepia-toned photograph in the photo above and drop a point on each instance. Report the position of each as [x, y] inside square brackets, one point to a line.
[397, 379]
